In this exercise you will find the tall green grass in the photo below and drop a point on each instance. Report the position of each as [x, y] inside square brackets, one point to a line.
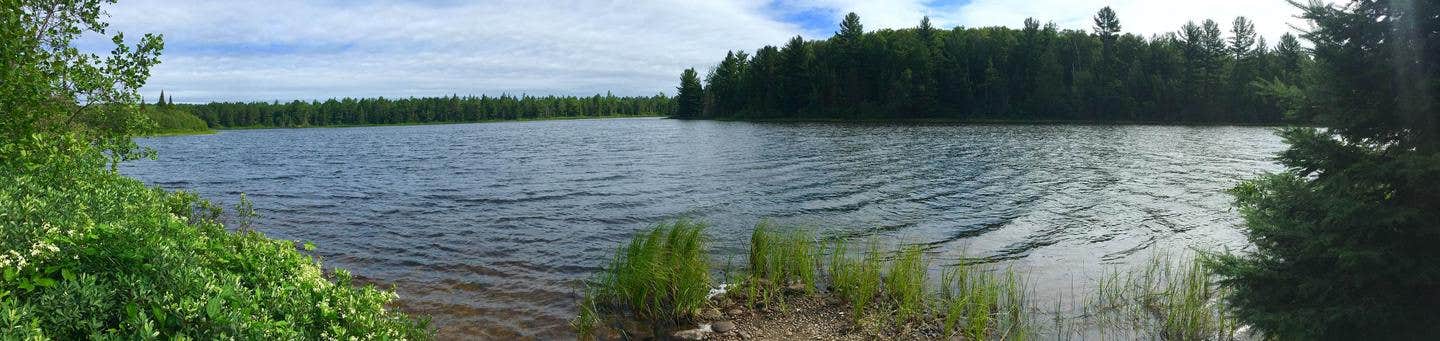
[984, 304]
[661, 276]
[857, 281]
[905, 282]
[778, 260]
[1163, 298]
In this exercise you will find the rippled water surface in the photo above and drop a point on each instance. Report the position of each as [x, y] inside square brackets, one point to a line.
[489, 228]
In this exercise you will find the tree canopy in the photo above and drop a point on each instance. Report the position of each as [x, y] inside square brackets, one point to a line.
[1037, 72]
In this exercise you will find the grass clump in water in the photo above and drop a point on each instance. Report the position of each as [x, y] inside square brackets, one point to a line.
[661, 276]
[906, 282]
[981, 304]
[1165, 299]
[780, 260]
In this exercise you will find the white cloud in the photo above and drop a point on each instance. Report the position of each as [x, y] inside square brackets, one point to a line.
[264, 50]
[282, 50]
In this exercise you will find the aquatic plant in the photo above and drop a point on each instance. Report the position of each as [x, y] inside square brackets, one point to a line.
[856, 280]
[1163, 298]
[990, 304]
[905, 282]
[780, 260]
[661, 276]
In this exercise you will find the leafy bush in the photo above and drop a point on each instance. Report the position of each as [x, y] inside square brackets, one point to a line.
[92, 253]
[173, 120]
[86, 253]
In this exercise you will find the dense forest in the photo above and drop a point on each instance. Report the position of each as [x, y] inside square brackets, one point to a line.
[1038, 72]
[452, 109]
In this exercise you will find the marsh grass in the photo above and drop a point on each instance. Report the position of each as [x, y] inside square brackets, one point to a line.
[857, 281]
[661, 276]
[905, 282]
[979, 303]
[1164, 298]
[779, 260]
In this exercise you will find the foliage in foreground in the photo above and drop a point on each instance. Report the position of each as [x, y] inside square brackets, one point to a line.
[94, 254]
[86, 253]
[1345, 239]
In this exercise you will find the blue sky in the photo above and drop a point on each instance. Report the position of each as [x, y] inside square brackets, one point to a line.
[249, 50]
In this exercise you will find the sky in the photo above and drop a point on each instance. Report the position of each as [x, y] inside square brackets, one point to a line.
[265, 50]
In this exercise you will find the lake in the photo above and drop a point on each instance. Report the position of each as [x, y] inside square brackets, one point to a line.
[490, 228]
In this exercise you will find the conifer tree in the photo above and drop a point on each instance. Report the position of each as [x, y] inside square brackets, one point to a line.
[1346, 238]
[689, 95]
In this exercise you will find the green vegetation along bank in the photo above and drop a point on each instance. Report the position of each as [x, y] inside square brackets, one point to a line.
[86, 253]
[1037, 72]
[659, 284]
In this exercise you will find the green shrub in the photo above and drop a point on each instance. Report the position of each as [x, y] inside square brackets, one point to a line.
[174, 120]
[91, 253]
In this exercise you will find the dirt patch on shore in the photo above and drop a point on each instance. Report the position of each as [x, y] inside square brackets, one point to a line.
[810, 317]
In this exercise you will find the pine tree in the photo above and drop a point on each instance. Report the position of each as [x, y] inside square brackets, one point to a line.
[689, 96]
[1107, 25]
[1346, 238]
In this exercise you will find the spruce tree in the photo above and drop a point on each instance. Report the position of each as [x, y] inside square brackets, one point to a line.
[689, 99]
[1347, 239]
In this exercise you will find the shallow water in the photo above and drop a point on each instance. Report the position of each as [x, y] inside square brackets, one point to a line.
[490, 228]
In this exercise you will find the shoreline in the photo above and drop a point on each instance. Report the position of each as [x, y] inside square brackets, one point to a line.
[438, 123]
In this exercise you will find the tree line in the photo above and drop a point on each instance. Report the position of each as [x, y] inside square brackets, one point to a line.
[451, 109]
[1038, 72]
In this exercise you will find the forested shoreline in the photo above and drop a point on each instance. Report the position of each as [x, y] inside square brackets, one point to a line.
[421, 110]
[1039, 72]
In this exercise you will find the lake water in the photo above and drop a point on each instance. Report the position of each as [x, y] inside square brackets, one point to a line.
[490, 228]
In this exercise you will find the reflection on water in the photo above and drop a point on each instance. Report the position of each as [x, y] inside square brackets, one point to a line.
[490, 227]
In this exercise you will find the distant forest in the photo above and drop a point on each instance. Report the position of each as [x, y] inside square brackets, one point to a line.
[452, 109]
[1038, 72]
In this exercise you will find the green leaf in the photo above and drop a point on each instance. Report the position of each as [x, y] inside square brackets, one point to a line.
[45, 282]
[67, 274]
[212, 308]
